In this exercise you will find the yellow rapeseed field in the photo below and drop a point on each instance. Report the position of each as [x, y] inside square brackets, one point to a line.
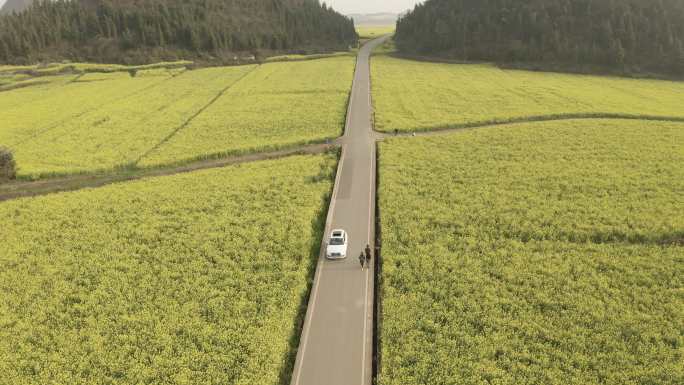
[119, 132]
[276, 105]
[195, 278]
[535, 253]
[417, 96]
[90, 122]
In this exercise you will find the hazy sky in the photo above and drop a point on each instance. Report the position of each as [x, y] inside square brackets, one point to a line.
[371, 6]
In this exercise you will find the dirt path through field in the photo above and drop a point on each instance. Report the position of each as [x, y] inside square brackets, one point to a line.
[530, 119]
[19, 189]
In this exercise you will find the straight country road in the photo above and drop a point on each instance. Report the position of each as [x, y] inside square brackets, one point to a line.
[335, 347]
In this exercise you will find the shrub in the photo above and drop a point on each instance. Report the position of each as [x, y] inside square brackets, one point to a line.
[8, 167]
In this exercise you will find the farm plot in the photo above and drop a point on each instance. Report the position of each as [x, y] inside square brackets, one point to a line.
[99, 121]
[416, 96]
[536, 253]
[275, 106]
[119, 133]
[373, 31]
[27, 112]
[194, 278]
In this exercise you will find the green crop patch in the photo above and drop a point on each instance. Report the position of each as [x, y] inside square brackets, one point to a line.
[417, 96]
[195, 278]
[534, 253]
[93, 122]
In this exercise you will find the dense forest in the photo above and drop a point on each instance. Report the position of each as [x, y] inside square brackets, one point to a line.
[622, 35]
[140, 31]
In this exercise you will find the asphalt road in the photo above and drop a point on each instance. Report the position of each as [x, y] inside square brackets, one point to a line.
[336, 343]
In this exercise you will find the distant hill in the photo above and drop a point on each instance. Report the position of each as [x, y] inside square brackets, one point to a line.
[14, 5]
[622, 35]
[144, 31]
[374, 18]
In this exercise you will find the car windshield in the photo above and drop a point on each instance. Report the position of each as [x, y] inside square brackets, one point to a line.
[336, 241]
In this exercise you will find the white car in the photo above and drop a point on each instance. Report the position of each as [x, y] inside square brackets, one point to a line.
[337, 245]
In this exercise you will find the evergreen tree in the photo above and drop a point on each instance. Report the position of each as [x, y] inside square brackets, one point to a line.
[623, 34]
[71, 29]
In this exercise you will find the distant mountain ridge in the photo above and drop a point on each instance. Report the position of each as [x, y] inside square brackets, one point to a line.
[381, 18]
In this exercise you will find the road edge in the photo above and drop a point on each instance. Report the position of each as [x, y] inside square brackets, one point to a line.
[310, 308]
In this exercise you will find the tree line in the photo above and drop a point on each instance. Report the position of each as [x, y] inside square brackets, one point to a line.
[625, 35]
[147, 30]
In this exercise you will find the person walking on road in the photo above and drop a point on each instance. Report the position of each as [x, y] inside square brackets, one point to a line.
[368, 256]
[362, 259]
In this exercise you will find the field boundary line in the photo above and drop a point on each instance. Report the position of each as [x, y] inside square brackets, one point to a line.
[311, 305]
[27, 188]
[195, 115]
[145, 119]
[76, 78]
[531, 119]
[371, 243]
[377, 297]
[21, 85]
